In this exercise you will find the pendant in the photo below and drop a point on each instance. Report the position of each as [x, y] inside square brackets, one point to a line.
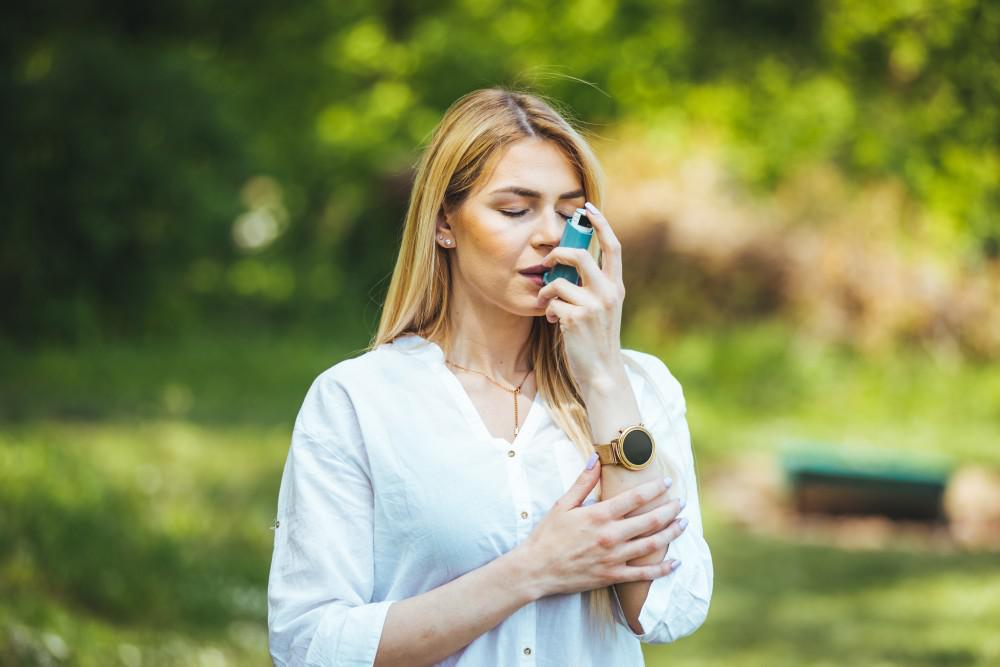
[517, 390]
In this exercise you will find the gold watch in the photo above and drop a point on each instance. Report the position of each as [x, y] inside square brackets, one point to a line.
[634, 448]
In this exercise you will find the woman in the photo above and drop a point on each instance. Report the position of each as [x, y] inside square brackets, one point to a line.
[440, 501]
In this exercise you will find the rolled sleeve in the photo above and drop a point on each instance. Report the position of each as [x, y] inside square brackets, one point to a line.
[348, 636]
[320, 587]
[677, 604]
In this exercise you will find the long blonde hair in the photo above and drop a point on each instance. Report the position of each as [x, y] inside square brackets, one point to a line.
[465, 146]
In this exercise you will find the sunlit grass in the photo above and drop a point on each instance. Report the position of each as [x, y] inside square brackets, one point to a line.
[758, 388]
[135, 522]
[781, 603]
[150, 535]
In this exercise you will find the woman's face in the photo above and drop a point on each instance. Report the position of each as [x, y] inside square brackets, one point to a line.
[511, 223]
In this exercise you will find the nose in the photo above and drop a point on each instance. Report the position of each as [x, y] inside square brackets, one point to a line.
[551, 229]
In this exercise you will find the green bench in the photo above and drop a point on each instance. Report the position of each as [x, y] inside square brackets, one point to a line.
[829, 479]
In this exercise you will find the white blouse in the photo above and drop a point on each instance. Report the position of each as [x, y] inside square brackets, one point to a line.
[394, 486]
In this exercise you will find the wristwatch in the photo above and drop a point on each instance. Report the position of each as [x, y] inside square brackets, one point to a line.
[633, 448]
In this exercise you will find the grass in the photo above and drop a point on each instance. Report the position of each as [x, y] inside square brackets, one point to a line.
[781, 603]
[153, 535]
[138, 483]
[759, 388]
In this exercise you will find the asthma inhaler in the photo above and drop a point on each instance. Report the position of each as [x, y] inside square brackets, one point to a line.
[577, 234]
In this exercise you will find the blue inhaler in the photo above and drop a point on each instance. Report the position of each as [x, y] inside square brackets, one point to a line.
[577, 234]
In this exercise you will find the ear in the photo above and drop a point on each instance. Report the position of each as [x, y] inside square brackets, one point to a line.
[442, 230]
[443, 221]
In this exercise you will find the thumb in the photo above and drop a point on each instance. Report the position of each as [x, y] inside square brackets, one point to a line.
[583, 485]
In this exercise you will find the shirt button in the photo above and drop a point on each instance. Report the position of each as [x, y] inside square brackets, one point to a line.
[510, 453]
[524, 515]
[527, 651]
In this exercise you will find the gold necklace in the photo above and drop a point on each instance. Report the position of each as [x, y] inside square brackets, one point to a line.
[516, 390]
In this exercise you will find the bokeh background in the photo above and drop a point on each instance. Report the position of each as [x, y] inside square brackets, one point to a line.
[201, 206]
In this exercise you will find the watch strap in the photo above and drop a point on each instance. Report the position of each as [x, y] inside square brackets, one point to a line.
[606, 454]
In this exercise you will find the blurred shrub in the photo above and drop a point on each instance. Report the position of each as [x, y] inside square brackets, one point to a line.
[846, 264]
[123, 170]
[141, 135]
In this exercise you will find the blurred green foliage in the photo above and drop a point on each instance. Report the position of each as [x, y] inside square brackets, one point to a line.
[170, 167]
[171, 163]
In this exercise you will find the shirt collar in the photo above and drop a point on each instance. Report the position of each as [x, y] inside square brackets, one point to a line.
[419, 346]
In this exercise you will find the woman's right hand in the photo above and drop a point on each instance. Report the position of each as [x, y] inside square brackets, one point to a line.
[578, 548]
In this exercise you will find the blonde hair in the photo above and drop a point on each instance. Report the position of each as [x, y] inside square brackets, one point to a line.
[463, 150]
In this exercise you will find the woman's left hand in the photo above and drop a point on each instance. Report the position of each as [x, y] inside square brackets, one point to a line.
[590, 314]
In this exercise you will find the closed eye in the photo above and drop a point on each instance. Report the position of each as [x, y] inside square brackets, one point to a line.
[518, 214]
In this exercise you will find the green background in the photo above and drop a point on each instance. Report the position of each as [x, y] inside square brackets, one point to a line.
[202, 205]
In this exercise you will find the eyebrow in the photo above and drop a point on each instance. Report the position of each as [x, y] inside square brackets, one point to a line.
[524, 192]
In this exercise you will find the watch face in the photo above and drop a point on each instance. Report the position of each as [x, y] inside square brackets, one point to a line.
[637, 447]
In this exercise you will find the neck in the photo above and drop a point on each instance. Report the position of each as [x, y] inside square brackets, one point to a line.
[488, 339]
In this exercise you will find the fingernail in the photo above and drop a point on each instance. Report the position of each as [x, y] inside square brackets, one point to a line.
[592, 461]
[683, 523]
[676, 565]
[683, 503]
[591, 207]
[668, 481]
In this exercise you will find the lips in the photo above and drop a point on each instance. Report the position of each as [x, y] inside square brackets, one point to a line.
[533, 277]
[537, 269]
[534, 273]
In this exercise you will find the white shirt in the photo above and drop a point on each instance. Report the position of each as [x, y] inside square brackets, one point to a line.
[393, 486]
